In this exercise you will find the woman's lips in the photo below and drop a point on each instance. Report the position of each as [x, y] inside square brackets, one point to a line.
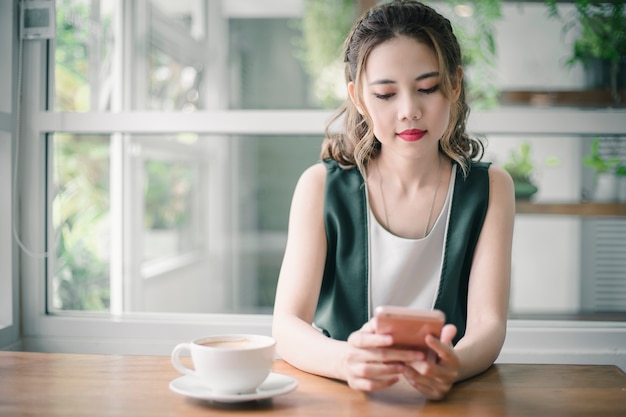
[411, 135]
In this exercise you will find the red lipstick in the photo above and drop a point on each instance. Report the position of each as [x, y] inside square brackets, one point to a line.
[412, 135]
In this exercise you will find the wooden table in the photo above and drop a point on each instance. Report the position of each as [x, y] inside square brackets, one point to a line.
[51, 384]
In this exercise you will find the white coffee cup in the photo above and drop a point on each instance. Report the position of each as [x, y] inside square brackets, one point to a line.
[230, 363]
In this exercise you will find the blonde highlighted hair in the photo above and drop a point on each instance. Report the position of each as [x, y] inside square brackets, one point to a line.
[357, 145]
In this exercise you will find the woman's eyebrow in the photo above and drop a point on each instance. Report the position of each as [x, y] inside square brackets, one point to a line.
[421, 77]
[427, 75]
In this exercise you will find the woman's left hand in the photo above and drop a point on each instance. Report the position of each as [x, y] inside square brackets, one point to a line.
[435, 379]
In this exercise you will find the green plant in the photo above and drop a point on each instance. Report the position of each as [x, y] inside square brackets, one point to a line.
[519, 165]
[602, 36]
[81, 219]
[620, 171]
[597, 162]
[325, 24]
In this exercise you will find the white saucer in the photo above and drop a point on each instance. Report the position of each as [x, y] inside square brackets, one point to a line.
[274, 384]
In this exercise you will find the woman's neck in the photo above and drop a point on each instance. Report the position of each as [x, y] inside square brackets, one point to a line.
[409, 175]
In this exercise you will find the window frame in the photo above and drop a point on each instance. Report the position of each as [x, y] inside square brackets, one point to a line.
[527, 341]
[536, 341]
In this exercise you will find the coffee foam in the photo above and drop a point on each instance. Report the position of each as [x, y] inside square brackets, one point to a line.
[241, 343]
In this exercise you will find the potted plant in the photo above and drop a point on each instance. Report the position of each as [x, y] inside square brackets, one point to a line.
[601, 44]
[605, 187]
[520, 167]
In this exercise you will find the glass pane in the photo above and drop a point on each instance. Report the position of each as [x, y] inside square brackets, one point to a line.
[266, 72]
[82, 225]
[172, 64]
[185, 224]
[87, 47]
[205, 226]
[169, 209]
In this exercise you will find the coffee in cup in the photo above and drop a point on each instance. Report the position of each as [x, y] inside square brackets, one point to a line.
[228, 364]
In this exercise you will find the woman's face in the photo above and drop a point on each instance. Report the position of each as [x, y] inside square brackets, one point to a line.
[401, 93]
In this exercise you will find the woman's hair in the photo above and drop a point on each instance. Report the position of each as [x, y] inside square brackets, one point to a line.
[357, 145]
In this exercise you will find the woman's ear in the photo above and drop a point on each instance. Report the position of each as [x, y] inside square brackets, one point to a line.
[352, 95]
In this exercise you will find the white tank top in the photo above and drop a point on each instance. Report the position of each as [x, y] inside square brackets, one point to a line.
[406, 272]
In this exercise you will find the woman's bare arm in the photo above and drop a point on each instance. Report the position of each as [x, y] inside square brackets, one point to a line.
[489, 283]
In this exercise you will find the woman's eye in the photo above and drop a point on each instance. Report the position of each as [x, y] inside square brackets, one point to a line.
[384, 96]
[429, 90]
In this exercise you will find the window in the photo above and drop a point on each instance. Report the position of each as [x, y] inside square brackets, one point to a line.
[171, 244]
[179, 222]
[164, 175]
[153, 196]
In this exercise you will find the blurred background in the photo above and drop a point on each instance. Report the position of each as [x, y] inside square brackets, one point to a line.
[189, 220]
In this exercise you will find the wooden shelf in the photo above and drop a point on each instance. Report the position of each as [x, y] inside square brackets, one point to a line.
[576, 98]
[585, 209]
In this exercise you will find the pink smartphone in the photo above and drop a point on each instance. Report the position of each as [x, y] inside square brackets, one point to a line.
[409, 327]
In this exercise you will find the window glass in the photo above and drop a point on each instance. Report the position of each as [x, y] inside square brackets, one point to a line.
[183, 223]
[265, 66]
[168, 208]
[172, 64]
[81, 215]
[197, 223]
[87, 47]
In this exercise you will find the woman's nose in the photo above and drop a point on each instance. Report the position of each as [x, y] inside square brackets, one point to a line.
[410, 108]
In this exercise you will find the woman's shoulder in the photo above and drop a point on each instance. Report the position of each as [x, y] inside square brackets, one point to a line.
[313, 178]
[501, 188]
[488, 169]
[315, 172]
[316, 175]
[499, 177]
[485, 179]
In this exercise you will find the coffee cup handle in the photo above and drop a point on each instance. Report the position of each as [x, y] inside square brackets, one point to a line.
[176, 359]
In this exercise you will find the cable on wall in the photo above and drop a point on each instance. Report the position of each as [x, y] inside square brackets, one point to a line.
[29, 252]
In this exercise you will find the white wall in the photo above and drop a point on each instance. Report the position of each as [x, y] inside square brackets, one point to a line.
[545, 268]
[532, 50]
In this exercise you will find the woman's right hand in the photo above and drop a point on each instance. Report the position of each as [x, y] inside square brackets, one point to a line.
[371, 363]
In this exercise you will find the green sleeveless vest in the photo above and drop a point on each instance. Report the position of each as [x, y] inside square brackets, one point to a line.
[343, 305]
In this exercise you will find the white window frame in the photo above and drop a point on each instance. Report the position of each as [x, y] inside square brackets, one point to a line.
[528, 340]
[536, 341]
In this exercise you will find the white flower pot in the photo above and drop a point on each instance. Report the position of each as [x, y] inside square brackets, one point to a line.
[621, 189]
[605, 190]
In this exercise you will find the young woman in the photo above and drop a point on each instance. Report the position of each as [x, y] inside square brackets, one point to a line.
[399, 212]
